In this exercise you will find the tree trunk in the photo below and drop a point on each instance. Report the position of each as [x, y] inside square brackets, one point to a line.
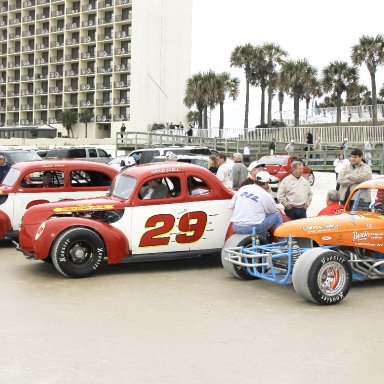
[296, 106]
[281, 101]
[200, 119]
[246, 106]
[221, 125]
[262, 111]
[270, 96]
[338, 108]
[205, 126]
[374, 98]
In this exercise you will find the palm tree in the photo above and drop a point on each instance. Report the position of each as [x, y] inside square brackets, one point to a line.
[293, 77]
[85, 117]
[259, 77]
[225, 86]
[370, 50]
[68, 118]
[195, 95]
[274, 55]
[336, 77]
[242, 57]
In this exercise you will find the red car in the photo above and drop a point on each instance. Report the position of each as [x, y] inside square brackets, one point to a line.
[186, 215]
[280, 166]
[25, 186]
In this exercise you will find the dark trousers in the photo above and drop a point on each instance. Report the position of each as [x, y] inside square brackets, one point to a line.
[296, 213]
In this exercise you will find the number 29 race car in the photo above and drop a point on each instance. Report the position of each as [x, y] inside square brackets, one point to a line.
[321, 256]
[153, 211]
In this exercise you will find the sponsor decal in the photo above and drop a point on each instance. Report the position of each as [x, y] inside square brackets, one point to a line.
[83, 208]
[326, 238]
[356, 236]
[40, 230]
[53, 165]
[320, 228]
[165, 170]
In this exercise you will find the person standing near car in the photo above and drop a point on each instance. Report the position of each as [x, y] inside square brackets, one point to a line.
[353, 174]
[239, 171]
[224, 173]
[289, 148]
[4, 167]
[339, 164]
[295, 193]
[254, 207]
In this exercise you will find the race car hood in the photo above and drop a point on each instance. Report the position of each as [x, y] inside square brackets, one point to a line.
[365, 229]
[42, 212]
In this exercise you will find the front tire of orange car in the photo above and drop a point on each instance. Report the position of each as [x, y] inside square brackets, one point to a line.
[78, 252]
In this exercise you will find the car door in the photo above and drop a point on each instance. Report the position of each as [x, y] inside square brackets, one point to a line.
[156, 222]
[208, 218]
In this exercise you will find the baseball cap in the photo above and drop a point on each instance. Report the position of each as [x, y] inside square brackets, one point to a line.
[263, 177]
[254, 164]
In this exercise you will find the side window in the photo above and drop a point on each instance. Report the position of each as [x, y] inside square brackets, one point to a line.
[102, 153]
[147, 156]
[92, 152]
[196, 186]
[77, 153]
[47, 179]
[81, 178]
[160, 188]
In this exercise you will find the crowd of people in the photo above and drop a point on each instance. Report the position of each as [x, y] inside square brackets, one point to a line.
[255, 208]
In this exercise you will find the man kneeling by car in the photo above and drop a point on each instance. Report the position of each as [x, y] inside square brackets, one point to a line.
[253, 207]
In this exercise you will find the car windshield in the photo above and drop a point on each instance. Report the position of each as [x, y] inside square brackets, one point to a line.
[123, 186]
[11, 177]
[272, 160]
[371, 200]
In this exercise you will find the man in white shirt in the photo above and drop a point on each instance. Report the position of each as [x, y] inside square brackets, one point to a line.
[254, 207]
[224, 173]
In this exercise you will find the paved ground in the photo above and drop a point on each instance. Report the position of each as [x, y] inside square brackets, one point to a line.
[181, 322]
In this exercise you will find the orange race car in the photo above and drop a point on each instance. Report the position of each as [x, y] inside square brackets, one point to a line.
[322, 255]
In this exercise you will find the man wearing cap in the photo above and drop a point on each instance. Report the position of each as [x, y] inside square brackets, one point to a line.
[254, 168]
[295, 193]
[239, 171]
[4, 168]
[254, 207]
[170, 156]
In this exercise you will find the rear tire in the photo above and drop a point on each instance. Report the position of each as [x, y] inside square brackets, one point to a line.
[236, 270]
[322, 276]
[78, 252]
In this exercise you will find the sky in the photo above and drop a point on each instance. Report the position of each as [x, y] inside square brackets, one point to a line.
[321, 31]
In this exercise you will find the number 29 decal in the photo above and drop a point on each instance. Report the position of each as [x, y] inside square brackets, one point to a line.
[191, 225]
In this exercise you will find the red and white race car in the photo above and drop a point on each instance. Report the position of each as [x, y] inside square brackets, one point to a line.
[26, 185]
[191, 218]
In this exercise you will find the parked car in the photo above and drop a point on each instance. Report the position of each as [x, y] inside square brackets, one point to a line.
[23, 187]
[323, 254]
[280, 166]
[81, 153]
[191, 220]
[14, 156]
[145, 156]
[190, 159]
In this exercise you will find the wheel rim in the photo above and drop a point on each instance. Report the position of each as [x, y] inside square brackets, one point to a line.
[80, 253]
[331, 278]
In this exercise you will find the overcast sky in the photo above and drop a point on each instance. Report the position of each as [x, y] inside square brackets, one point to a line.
[322, 32]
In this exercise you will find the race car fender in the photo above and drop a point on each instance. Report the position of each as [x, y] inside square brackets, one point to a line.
[5, 224]
[116, 243]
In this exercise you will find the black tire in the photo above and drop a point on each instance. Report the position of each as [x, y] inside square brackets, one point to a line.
[322, 276]
[311, 179]
[236, 270]
[78, 252]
